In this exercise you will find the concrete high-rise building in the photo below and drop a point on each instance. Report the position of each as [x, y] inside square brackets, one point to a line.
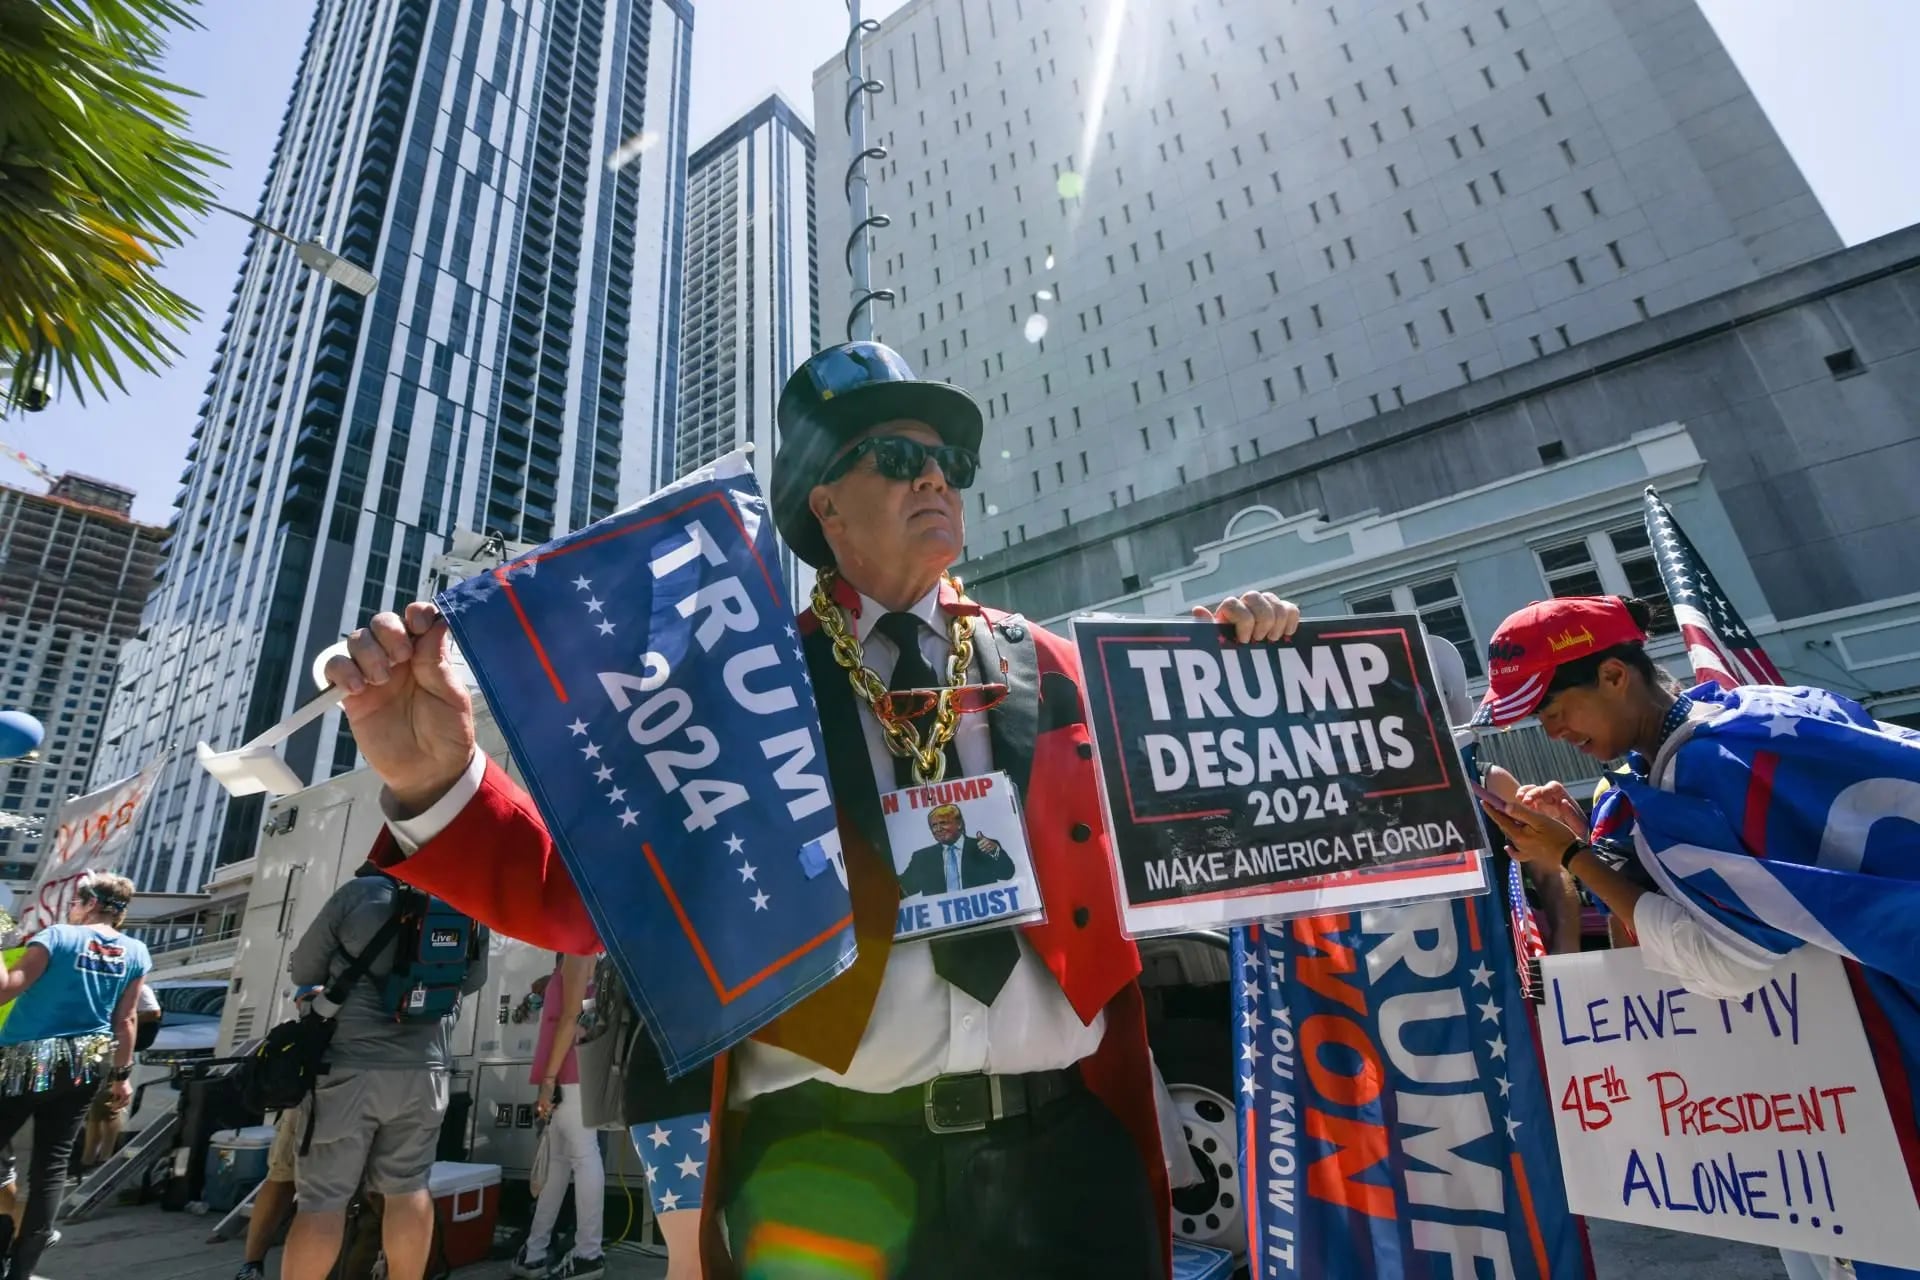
[75, 568]
[751, 311]
[513, 173]
[1244, 225]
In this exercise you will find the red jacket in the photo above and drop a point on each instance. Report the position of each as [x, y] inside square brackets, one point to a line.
[496, 863]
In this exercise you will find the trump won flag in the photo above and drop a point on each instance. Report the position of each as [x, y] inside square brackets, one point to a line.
[650, 682]
[1394, 1119]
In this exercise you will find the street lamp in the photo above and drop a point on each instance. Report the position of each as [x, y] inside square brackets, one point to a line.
[346, 274]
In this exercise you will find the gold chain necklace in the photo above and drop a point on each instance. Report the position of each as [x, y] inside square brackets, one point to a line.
[902, 736]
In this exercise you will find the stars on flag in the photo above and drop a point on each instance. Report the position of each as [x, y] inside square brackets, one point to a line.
[736, 847]
[688, 1167]
[1512, 1127]
[1248, 1053]
[616, 795]
[591, 751]
[669, 1202]
[578, 728]
[603, 774]
[1482, 976]
[660, 1137]
[1506, 1085]
[628, 817]
[1498, 1048]
[1489, 1012]
[1783, 727]
[605, 628]
[1250, 1019]
[593, 604]
[701, 1131]
[1250, 988]
[582, 584]
[1246, 1085]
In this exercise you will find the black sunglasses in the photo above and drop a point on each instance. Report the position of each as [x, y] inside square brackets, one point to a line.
[901, 458]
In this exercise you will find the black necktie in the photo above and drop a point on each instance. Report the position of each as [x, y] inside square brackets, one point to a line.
[977, 963]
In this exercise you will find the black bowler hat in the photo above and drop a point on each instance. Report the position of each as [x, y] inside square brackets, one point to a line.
[832, 398]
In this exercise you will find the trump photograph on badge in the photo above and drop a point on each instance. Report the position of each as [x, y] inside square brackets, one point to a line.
[955, 860]
[960, 854]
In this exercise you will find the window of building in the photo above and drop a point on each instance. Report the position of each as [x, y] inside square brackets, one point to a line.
[1617, 561]
[1441, 609]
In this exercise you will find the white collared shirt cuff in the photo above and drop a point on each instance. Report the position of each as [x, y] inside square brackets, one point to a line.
[1675, 943]
[411, 833]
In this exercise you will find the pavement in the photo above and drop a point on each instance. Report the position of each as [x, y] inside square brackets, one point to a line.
[144, 1243]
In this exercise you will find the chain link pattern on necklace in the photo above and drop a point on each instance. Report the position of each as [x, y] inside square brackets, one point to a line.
[902, 736]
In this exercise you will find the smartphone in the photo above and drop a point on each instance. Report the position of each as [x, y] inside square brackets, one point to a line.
[1493, 800]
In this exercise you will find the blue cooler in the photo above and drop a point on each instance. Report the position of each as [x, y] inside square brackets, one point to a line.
[1200, 1262]
[236, 1163]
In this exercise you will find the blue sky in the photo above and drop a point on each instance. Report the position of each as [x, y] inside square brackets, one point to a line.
[1836, 78]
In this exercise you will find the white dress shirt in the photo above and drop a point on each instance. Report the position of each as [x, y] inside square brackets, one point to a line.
[922, 1026]
[1673, 942]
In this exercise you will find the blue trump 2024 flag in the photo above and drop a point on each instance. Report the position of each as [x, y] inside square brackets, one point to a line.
[1789, 816]
[648, 677]
[1394, 1119]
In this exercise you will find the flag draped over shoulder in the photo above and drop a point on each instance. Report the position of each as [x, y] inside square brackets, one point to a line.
[1394, 1119]
[1785, 817]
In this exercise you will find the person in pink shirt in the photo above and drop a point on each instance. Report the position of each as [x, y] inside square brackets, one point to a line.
[574, 1149]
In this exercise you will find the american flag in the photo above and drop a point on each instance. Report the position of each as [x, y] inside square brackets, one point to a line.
[1528, 945]
[1719, 645]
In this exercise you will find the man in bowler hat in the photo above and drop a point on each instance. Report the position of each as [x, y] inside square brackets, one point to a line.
[968, 1106]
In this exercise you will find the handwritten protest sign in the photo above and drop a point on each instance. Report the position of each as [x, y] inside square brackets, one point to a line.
[93, 832]
[648, 677]
[1761, 1119]
[1244, 782]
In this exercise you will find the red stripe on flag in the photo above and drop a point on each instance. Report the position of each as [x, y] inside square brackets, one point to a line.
[1250, 1180]
[1533, 1219]
[1753, 823]
[1473, 928]
[1892, 1069]
[1760, 665]
[533, 637]
[1702, 643]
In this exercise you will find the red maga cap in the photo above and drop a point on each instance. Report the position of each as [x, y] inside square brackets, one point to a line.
[1532, 642]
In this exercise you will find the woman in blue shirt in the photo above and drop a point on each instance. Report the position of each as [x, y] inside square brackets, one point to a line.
[74, 995]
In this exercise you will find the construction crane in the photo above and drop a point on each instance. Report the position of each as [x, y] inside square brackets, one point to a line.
[39, 468]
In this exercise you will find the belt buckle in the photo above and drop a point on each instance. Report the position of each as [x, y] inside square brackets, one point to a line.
[962, 1103]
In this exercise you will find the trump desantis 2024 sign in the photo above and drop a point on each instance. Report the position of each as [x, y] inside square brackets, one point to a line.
[648, 677]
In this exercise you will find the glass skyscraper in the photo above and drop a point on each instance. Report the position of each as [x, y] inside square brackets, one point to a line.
[513, 172]
[752, 310]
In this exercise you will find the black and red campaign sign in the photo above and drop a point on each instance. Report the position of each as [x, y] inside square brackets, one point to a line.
[1258, 780]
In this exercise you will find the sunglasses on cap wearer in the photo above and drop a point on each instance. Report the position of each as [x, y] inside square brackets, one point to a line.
[904, 458]
[906, 705]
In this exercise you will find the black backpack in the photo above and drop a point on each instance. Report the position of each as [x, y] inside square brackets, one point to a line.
[282, 1071]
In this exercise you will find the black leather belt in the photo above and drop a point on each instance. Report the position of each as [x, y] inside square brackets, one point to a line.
[946, 1104]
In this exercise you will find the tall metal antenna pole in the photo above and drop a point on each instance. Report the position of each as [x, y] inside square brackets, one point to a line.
[859, 252]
